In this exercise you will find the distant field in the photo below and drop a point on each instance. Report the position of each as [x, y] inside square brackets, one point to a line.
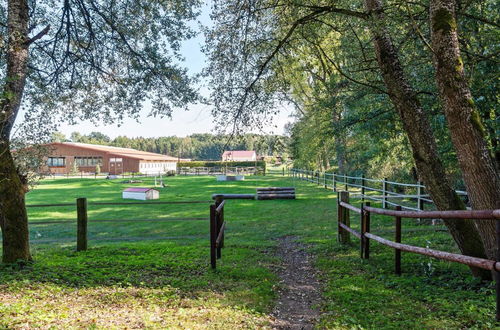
[156, 274]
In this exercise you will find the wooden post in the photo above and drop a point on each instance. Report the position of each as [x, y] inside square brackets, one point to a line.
[345, 236]
[213, 237]
[367, 230]
[363, 188]
[345, 182]
[317, 177]
[397, 252]
[334, 183]
[81, 226]
[324, 179]
[384, 193]
[283, 171]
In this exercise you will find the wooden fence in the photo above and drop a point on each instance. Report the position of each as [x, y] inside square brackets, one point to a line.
[386, 192]
[344, 231]
[217, 228]
[216, 220]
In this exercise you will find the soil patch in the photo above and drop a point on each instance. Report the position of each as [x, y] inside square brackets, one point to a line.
[300, 292]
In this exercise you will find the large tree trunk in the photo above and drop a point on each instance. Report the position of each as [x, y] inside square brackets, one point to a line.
[13, 218]
[467, 132]
[420, 135]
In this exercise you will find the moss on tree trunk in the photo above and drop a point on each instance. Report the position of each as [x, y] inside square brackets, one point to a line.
[421, 137]
[467, 131]
[13, 216]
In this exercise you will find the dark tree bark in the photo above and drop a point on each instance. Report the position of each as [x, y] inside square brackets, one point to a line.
[467, 132]
[13, 217]
[420, 135]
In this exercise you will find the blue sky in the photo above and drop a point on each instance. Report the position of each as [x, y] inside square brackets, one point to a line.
[197, 120]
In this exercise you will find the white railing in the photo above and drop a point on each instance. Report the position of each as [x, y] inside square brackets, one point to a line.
[410, 196]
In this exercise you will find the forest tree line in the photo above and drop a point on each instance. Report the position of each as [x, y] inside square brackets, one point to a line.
[195, 146]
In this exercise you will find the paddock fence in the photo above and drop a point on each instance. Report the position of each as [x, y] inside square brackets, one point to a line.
[408, 196]
[217, 228]
[365, 235]
[222, 170]
[215, 220]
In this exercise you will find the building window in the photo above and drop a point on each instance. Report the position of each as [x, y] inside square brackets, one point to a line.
[56, 161]
[115, 160]
[88, 161]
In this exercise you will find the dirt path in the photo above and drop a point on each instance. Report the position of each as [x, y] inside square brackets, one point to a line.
[300, 294]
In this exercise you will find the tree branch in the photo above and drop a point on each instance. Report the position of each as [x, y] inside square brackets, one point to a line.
[39, 35]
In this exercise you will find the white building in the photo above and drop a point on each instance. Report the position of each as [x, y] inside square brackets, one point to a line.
[141, 193]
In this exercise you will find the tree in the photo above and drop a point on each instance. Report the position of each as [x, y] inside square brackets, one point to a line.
[468, 134]
[75, 169]
[58, 137]
[76, 59]
[262, 35]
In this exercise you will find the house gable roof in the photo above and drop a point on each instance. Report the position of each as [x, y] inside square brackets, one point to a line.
[238, 153]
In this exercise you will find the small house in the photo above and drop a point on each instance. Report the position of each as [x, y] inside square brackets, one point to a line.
[239, 156]
[141, 193]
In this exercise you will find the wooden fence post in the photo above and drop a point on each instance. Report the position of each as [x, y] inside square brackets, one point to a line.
[213, 237]
[324, 180]
[367, 230]
[334, 183]
[345, 236]
[81, 226]
[345, 182]
[384, 193]
[397, 252]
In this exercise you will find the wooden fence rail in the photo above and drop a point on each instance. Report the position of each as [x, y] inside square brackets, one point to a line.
[82, 219]
[365, 235]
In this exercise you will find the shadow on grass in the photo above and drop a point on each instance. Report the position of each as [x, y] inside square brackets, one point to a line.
[181, 265]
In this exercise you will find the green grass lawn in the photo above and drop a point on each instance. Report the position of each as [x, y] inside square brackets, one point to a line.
[156, 274]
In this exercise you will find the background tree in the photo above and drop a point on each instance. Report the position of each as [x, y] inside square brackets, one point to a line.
[83, 60]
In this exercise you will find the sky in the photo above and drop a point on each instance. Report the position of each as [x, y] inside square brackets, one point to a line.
[198, 119]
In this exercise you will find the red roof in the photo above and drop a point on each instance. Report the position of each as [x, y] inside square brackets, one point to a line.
[121, 152]
[138, 190]
[238, 153]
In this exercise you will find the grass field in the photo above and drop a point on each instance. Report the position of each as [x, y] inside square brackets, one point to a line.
[142, 274]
